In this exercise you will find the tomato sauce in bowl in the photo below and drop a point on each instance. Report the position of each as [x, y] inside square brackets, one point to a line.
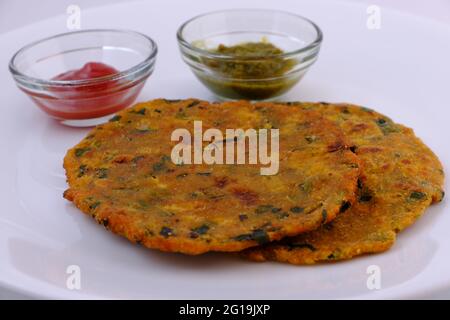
[88, 101]
[119, 64]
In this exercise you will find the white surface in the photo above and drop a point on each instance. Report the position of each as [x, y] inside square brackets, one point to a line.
[17, 13]
[401, 70]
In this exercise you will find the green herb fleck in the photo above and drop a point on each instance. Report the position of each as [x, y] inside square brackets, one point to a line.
[334, 255]
[381, 122]
[82, 170]
[306, 186]
[263, 208]
[386, 126]
[81, 151]
[94, 205]
[301, 246]
[141, 111]
[102, 173]
[203, 174]
[165, 158]
[181, 114]
[243, 237]
[282, 215]
[202, 229]
[196, 232]
[115, 118]
[142, 203]
[260, 236]
[193, 104]
[161, 165]
[324, 216]
[329, 226]
[417, 195]
[345, 206]
[166, 232]
[297, 209]
[365, 195]
[310, 139]
[137, 159]
[366, 109]
[143, 130]
[193, 195]
[243, 217]
[257, 235]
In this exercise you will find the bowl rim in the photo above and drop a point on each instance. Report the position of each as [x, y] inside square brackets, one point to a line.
[316, 42]
[113, 77]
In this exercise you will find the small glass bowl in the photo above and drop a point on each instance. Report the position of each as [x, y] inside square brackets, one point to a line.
[298, 37]
[90, 101]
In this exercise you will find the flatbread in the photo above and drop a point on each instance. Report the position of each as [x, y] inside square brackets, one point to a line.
[122, 175]
[400, 178]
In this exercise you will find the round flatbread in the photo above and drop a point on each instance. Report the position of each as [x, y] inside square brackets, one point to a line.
[122, 174]
[400, 178]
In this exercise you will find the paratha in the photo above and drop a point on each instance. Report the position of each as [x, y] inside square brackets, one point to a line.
[122, 175]
[400, 178]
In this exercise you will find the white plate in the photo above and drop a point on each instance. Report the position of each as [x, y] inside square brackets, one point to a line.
[402, 70]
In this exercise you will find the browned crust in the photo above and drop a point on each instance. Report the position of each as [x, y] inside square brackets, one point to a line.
[400, 178]
[330, 160]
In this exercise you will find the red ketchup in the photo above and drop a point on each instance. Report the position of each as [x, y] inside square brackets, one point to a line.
[89, 71]
[88, 101]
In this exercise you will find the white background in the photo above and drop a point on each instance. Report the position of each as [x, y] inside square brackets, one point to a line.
[17, 13]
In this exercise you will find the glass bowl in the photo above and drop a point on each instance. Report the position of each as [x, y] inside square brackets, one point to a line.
[89, 101]
[233, 75]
